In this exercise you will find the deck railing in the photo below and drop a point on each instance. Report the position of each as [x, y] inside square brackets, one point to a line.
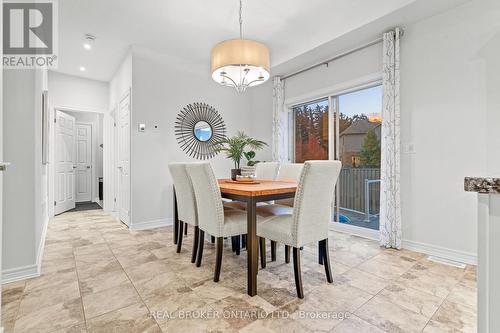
[353, 187]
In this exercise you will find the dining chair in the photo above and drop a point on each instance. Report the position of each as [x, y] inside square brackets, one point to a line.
[186, 205]
[263, 170]
[310, 217]
[212, 217]
[289, 171]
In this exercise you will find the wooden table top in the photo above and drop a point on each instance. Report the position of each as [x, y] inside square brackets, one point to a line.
[265, 187]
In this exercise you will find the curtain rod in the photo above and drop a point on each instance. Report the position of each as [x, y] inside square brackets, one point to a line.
[338, 56]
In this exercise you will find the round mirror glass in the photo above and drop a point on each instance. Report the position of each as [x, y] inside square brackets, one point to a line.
[202, 131]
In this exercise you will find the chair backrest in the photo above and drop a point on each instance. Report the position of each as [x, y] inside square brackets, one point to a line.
[266, 170]
[186, 202]
[290, 171]
[313, 201]
[208, 198]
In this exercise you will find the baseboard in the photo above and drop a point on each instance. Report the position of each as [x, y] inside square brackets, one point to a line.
[151, 224]
[441, 252]
[28, 271]
[20, 273]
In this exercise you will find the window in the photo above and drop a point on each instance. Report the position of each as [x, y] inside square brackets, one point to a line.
[311, 131]
[354, 139]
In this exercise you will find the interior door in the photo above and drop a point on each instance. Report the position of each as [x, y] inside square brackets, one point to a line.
[83, 162]
[124, 159]
[65, 163]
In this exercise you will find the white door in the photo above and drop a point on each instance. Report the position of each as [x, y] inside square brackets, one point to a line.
[65, 163]
[83, 162]
[124, 159]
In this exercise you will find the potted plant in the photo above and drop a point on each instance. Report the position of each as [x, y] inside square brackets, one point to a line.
[234, 148]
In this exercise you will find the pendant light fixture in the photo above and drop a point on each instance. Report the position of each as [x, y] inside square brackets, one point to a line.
[240, 63]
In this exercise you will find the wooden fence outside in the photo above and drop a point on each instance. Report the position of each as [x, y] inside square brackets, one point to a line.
[352, 189]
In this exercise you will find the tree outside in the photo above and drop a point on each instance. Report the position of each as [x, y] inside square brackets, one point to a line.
[370, 151]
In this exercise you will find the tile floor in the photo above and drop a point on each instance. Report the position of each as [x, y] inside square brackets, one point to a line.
[99, 277]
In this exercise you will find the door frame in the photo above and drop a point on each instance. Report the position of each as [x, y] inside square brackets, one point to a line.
[331, 93]
[127, 94]
[94, 189]
[52, 156]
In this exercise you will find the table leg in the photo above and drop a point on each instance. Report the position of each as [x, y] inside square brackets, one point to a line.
[176, 220]
[252, 247]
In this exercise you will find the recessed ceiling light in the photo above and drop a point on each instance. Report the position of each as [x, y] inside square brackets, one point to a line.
[82, 69]
[88, 41]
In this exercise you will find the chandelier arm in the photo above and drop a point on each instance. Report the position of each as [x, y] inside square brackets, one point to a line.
[227, 77]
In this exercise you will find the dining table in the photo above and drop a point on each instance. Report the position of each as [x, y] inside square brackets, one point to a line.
[251, 194]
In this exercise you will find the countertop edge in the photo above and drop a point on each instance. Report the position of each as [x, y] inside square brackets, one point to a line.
[489, 185]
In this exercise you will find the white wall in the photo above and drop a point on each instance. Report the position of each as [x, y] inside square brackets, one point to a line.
[25, 181]
[450, 113]
[68, 91]
[162, 86]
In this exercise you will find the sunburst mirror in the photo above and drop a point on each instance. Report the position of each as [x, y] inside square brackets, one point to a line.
[198, 127]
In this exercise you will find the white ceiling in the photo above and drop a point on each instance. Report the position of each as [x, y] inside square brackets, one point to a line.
[190, 28]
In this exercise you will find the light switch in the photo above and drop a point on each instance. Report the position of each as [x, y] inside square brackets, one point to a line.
[142, 127]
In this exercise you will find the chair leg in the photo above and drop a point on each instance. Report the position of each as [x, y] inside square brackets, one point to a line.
[323, 245]
[320, 254]
[238, 245]
[273, 250]
[233, 243]
[179, 241]
[297, 273]
[287, 254]
[176, 231]
[212, 239]
[200, 248]
[218, 258]
[262, 243]
[185, 229]
[244, 241]
[195, 243]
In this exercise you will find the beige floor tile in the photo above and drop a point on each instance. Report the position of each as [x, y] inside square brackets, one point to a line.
[354, 324]
[362, 280]
[51, 318]
[453, 317]
[147, 270]
[117, 269]
[412, 299]
[12, 291]
[463, 294]
[60, 293]
[132, 319]
[387, 266]
[103, 281]
[110, 299]
[429, 282]
[383, 313]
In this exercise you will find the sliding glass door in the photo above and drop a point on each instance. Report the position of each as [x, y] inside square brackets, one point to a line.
[345, 127]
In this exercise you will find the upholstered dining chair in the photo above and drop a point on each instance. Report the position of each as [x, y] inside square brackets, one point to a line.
[212, 217]
[310, 217]
[186, 205]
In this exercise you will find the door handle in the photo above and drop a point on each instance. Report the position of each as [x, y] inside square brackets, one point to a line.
[74, 166]
[88, 166]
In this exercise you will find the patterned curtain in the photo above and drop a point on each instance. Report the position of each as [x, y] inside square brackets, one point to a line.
[390, 208]
[280, 122]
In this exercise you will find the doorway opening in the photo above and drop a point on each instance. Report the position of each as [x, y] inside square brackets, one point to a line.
[78, 161]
